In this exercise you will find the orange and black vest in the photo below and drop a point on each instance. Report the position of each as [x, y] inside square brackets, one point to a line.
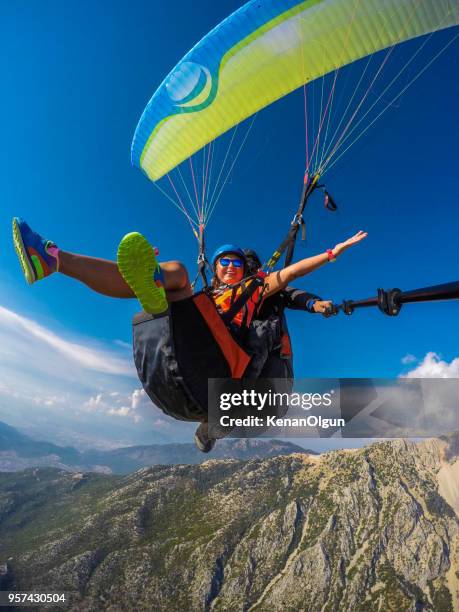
[225, 298]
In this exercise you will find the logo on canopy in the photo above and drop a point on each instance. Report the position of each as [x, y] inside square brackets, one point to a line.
[189, 85]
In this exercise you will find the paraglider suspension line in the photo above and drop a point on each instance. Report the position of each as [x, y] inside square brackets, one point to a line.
[287, 246]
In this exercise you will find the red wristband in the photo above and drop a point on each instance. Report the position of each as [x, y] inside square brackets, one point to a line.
[331, 256]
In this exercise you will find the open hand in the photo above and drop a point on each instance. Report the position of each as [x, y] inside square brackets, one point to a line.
[342, 246]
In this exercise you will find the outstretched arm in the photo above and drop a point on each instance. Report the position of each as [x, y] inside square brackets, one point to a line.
[276, 281]
[299, 299]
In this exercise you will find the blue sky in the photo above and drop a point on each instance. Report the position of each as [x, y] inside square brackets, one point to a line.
[76, 77]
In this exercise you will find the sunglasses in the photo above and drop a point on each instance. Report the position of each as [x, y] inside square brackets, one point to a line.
[225, 262]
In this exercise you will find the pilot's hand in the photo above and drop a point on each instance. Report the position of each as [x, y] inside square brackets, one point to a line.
[324, 307]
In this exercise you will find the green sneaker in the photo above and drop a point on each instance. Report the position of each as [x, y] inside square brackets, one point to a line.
[139, 268]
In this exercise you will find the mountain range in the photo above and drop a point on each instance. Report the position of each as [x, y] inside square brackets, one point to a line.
[369, 529]
[18, 452]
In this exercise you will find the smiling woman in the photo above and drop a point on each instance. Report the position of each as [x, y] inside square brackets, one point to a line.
[206, 335]
[182, 339]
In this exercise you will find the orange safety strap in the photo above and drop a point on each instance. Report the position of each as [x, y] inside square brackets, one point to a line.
[236, 357]
[286, 347]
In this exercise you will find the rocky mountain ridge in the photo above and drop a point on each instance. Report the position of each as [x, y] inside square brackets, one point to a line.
[370, 529]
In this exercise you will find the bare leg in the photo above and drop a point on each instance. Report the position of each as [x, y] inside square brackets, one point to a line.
[103, 276]
[176, 281]
[99, 275]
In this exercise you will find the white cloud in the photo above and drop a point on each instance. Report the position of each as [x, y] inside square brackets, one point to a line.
[408, 359]
[128, 405]
[433, 366]
[21, 329]
[94, 402]
[41, 369]
[123, 344]
[75, 390]
[123, 411]
[139, 396]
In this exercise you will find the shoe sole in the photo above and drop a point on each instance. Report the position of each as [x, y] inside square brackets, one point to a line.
[23, 257]
[137, 264]
[206, 445]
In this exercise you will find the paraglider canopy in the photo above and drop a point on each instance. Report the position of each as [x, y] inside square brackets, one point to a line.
[257, 55]
[262, 52]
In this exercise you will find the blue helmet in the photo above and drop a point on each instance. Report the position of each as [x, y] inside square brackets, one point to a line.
[227, 248]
